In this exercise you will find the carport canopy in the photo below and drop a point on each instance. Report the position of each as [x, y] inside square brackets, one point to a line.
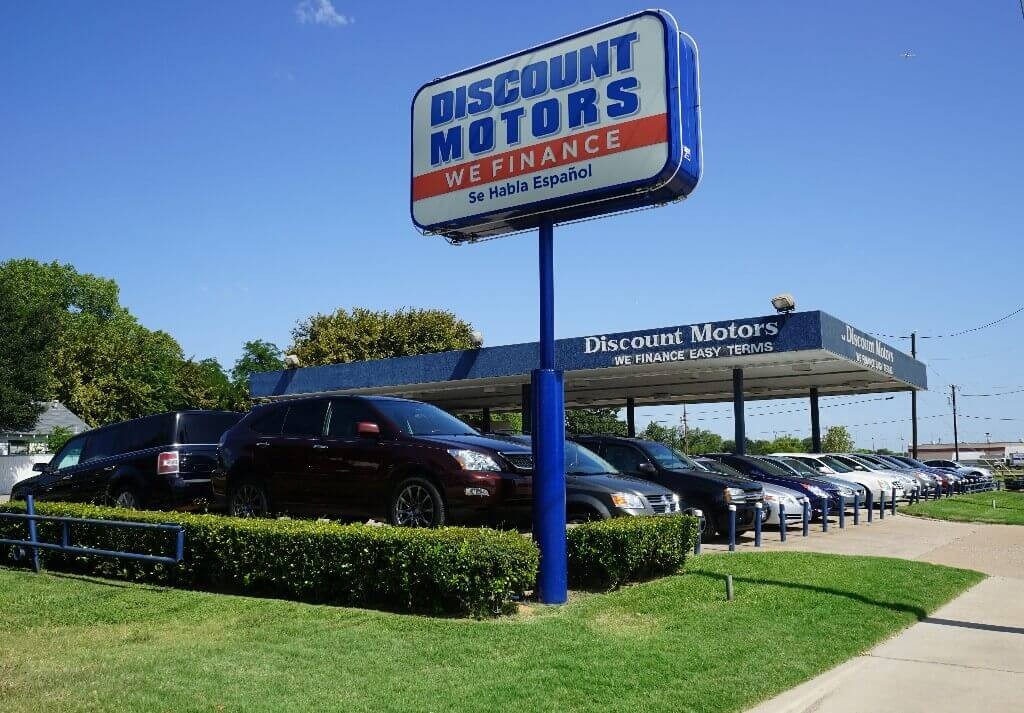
[799, 354]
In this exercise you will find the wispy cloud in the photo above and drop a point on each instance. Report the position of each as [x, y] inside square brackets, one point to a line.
[320, 12]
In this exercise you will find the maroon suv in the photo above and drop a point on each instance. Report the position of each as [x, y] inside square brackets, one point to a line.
[357, 457]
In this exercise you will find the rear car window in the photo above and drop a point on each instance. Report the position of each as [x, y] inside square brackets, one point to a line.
[205, 427]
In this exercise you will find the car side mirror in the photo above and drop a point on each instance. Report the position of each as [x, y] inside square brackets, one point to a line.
[648, 469]
[368, 429]
[41, 467]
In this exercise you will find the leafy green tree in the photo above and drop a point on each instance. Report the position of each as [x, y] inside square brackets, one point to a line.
[257, 356]
[787, 444]
[41, 303]
[837, 440]
[56, 438]
[668, 435]
[204, 385]
[24, 336]
[579, 421]
[364, 334]
[700, 440]
[115, 369]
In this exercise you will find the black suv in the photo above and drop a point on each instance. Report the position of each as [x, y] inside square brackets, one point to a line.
[161, 461]
[357, 457]
[595, 490]
[699, 488]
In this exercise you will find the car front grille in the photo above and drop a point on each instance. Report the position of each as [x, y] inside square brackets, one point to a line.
[663, 504]
[519, 461]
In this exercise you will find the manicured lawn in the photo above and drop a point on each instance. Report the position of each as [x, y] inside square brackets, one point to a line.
[674, 644]
[1009, 509]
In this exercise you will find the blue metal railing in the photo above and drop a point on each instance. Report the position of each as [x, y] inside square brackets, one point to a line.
[33, 544]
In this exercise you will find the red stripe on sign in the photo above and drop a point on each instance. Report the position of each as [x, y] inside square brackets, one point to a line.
[574, 148]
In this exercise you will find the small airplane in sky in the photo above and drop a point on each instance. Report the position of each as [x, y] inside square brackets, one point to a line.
[909, 54]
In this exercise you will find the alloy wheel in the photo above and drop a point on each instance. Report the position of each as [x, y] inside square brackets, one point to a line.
[126, 499]
[415, 507]
[248, 501]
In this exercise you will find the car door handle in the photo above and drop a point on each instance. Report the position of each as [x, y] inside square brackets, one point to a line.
[262, 444]
[67, 477]
[319, 446]
[109, 468]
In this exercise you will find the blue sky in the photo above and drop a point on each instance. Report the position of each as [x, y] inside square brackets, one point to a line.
[237, 166]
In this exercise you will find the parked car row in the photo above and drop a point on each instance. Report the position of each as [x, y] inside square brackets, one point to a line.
[360, 457]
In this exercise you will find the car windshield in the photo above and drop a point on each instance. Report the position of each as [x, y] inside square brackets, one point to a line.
[894, 463]
[772, 468]
[912, 461]
[670, 458]
[419, 419]
[840, 466]
[799, 466]
[868, 465]
[718, 467]
[580, 461]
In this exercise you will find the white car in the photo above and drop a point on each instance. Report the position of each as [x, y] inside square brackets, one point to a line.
[904, 483]
[826, 464]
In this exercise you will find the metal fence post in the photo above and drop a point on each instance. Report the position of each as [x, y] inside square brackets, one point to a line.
[732, 528]
[856, 507]
[33, 537]
[881, 505]
[700, 529]
[824, 513]
[782, 521]
[807, 517]
[842, 511]
[870, 507]
[758, 512]
[893, 506]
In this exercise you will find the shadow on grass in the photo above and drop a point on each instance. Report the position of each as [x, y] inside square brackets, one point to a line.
[918, 612]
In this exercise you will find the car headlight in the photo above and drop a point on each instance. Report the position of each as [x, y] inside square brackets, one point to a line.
[732, 494]
[815, 490]
[473, 460]
[628, 501]
[846, 492]
[771, 498]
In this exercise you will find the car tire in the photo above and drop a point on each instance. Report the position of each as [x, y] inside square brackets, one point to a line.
[709, 524]
[417, 503]
[580, 515]
[127, 497]
[248, 499]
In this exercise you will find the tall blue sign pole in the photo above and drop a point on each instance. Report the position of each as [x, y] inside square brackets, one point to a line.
[549, 440]
[597, 122]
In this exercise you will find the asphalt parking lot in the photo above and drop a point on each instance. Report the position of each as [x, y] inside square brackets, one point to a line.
[967, 656]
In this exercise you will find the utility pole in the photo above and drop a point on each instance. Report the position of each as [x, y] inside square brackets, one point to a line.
[913, 402]
[686, 433]
[956, 435]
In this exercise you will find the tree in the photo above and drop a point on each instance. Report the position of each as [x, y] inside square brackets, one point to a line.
[699, 440]
[579, 421]
[204, 385]
[837, 440]
[787, 444]
[668, 435]
[364, 334]
[257, 356]
[39, 304]
[115, 369]
[56, 438]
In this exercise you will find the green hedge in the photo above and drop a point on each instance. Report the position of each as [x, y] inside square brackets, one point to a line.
[471, 571]
[609, 553]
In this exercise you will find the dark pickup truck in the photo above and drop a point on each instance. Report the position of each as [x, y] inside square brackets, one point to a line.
[160, 461]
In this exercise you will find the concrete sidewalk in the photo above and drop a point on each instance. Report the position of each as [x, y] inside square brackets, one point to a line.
[968, 656]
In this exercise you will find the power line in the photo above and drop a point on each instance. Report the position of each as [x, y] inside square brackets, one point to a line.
[1002, 393]
[954, 334]
[787, 411]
